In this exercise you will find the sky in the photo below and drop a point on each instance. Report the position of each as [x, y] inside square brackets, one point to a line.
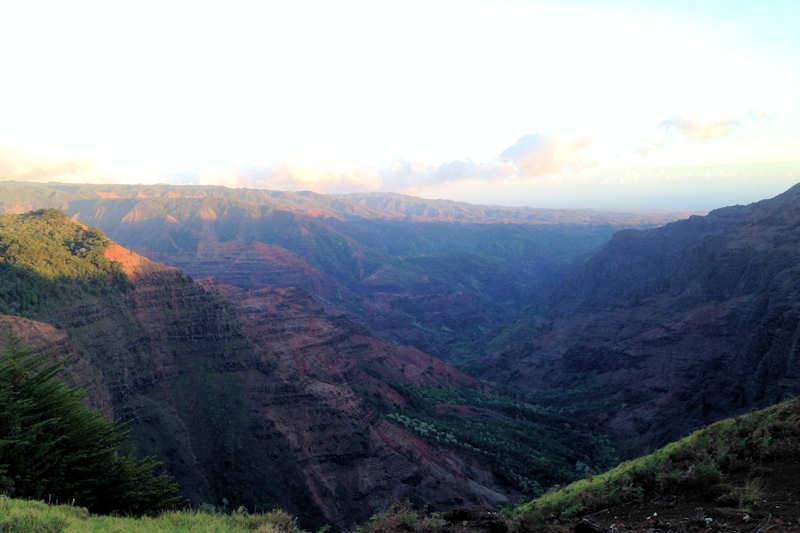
[671, 104]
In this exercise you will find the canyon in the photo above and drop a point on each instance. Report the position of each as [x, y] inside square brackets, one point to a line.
[439, 275]
[333, 355]
[665, 330]
[270, 397]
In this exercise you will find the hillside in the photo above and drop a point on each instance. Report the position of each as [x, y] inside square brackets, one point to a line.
[435, 274]
[665, 330]
[265, 397]
[740, 474]
[61, 268]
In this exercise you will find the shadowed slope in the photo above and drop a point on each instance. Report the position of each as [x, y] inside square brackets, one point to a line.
[664, 330]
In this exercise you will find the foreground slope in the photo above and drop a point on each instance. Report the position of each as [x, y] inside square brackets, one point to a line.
[24, 516]
[436, 274]
[270, 397]
[741, 474]
[665, 330]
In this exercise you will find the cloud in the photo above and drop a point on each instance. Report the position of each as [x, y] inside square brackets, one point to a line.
[700, 131]
[537, 155]
[291, 176]
[17, 166]
[530, 156]
[694, 130]
[404, 174]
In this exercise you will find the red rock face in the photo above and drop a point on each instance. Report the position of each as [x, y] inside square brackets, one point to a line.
[257, 264]
[324, 342]
[332, 381]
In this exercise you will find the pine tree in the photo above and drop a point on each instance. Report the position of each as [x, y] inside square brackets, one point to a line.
[54, 448]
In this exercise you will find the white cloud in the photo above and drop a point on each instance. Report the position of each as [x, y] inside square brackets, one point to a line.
[531, 156]
[292, 176]
[701, 131]
[538, 155]
[18, 166]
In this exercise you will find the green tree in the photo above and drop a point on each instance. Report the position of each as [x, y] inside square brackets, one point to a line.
[54, 448]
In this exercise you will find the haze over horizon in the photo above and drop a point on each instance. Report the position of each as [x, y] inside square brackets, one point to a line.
[612, 104]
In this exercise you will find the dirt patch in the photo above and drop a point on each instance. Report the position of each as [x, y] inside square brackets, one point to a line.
[767, 500]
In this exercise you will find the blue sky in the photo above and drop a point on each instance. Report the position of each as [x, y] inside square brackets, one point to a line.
[624, 104]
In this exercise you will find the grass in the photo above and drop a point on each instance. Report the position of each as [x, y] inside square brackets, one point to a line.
[750, 494]
[27, 516]
[710, 456]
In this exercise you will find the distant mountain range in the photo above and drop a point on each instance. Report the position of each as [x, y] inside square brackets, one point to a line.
[436, 274]
[23, 196]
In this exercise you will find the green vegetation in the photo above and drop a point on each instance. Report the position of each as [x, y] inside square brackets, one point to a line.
[26, 516]
[52, 447]
[525, 444]
[64, 266]
[708, 457]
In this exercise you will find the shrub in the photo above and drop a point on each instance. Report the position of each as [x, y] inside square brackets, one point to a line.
[54, 448]
[401, 517]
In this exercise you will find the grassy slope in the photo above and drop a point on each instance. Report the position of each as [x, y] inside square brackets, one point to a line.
[712, 457]
[45, 258]
[37, 517]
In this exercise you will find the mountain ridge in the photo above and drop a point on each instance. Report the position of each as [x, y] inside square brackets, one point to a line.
[670, 328]
[438, 275]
